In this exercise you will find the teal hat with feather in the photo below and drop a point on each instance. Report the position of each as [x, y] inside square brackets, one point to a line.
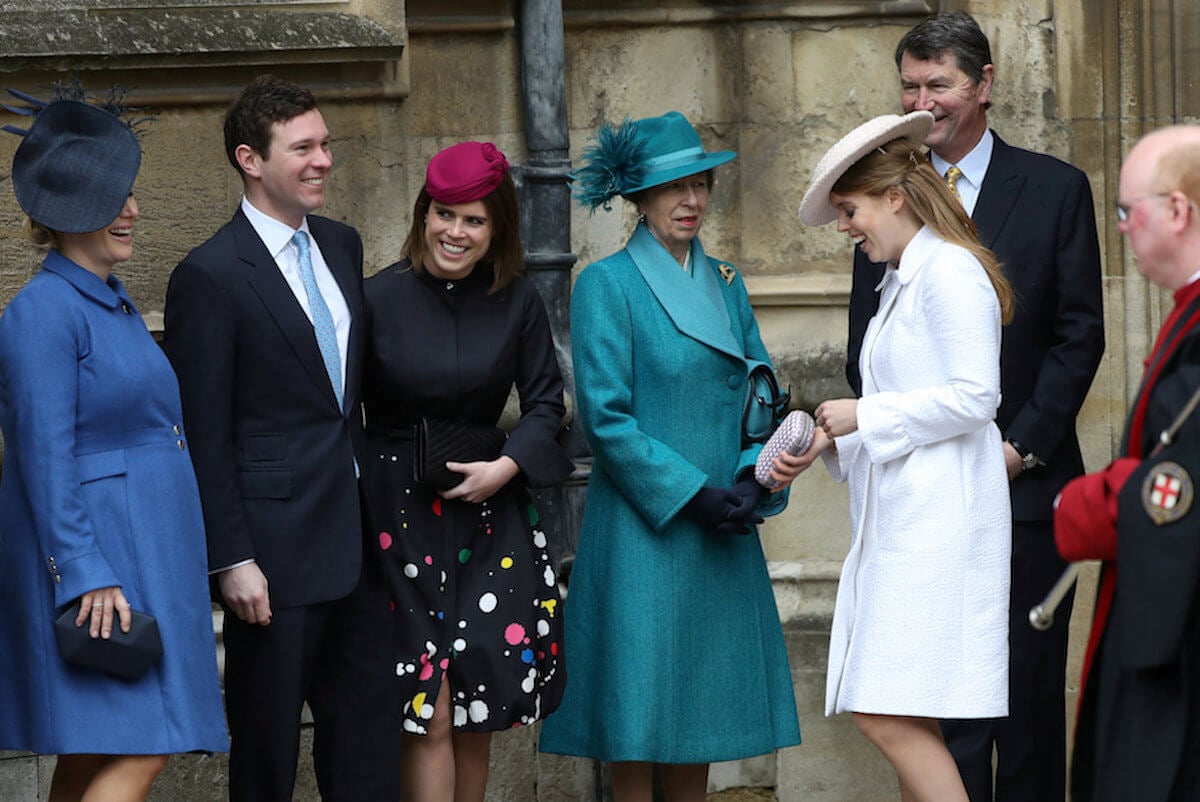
[640, 154]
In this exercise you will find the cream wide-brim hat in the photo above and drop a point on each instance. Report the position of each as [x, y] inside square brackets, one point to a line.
[815, 209]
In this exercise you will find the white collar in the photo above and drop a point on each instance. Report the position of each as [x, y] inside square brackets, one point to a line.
[275, 234]
[914, 255]
[975, 164]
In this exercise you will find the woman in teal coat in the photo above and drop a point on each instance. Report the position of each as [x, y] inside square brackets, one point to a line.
[675, 653]
[99, 511]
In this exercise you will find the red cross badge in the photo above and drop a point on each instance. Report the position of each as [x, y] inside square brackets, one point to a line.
[1167, 493]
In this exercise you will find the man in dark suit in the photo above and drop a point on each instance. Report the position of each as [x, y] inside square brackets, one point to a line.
[1035, 212]
[264, 326]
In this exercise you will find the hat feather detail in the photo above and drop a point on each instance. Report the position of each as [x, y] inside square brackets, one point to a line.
[73, 89]
[25, 98]
[615, 161]
[38, 105]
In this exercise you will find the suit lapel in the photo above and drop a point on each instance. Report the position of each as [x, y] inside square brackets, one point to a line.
[998, 194]
[273, 290]
[684, 301]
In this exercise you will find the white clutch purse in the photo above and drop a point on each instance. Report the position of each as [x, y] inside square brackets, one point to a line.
[793, 436]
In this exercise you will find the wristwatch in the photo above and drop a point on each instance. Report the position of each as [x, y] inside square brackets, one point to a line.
[1028, 458]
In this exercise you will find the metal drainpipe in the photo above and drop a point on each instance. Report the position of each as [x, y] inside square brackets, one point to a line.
[545, 195]
[546, 232]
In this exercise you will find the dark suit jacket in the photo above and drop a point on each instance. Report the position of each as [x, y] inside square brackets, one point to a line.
[274, 455]
[1035, 212]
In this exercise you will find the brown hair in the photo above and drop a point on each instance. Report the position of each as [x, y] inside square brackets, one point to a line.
[267, 100]
[505, 256]
[902, 165]
[40, 236]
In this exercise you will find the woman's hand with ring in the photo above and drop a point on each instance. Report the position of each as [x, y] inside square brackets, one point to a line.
[838, 416]
[100, 605]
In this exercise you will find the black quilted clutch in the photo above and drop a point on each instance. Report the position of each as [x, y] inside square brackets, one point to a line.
[440, 441]
[125, 655]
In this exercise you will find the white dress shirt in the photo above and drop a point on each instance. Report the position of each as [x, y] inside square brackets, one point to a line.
[277, 236]
[974, 167]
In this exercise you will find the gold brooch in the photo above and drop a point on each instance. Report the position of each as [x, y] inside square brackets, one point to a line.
[727, 273]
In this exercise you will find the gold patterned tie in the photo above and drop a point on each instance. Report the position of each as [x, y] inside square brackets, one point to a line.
[952, 176]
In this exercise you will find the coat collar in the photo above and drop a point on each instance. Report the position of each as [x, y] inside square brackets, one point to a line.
[916, 255]
[695, 303]
[110, 293]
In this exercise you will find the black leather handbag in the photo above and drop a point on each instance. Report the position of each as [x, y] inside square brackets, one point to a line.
[124, 654]
[440, 441]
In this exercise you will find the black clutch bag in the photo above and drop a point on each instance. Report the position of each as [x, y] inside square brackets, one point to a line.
[437, 442]
[125, 654]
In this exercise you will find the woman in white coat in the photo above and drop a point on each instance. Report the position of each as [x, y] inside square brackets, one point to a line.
[920, 629]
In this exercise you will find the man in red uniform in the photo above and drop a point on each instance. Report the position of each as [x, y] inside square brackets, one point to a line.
[1139, 729]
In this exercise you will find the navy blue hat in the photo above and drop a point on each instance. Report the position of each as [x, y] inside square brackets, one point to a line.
[75, 167]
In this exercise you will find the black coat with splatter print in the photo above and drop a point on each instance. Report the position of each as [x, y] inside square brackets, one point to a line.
[473, 587]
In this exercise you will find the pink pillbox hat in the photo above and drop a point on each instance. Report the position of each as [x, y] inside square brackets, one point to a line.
[465, 172]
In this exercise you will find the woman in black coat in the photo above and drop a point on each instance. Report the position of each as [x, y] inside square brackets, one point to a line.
[453, 329]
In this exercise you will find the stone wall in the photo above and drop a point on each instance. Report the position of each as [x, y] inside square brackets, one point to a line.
[777, 82]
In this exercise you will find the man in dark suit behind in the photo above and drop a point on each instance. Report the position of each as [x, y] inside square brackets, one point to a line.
[264, 326]
[1035, 212]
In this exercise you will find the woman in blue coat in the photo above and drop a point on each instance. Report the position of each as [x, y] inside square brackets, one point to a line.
[675, 654]
[99, 511]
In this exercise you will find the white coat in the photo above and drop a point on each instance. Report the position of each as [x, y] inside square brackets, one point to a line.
[920, 627]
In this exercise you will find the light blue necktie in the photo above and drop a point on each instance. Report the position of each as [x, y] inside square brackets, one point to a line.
[322, 320]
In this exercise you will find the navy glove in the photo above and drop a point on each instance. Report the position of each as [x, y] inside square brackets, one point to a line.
[710, 507]
[748, 493]
[726, 511]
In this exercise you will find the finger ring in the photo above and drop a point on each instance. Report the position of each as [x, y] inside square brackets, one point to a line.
[98, 604]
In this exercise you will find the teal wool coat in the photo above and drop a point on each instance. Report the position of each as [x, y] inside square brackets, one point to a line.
[674, 648]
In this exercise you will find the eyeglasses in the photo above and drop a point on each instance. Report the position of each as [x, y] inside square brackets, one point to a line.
[1124, 209]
